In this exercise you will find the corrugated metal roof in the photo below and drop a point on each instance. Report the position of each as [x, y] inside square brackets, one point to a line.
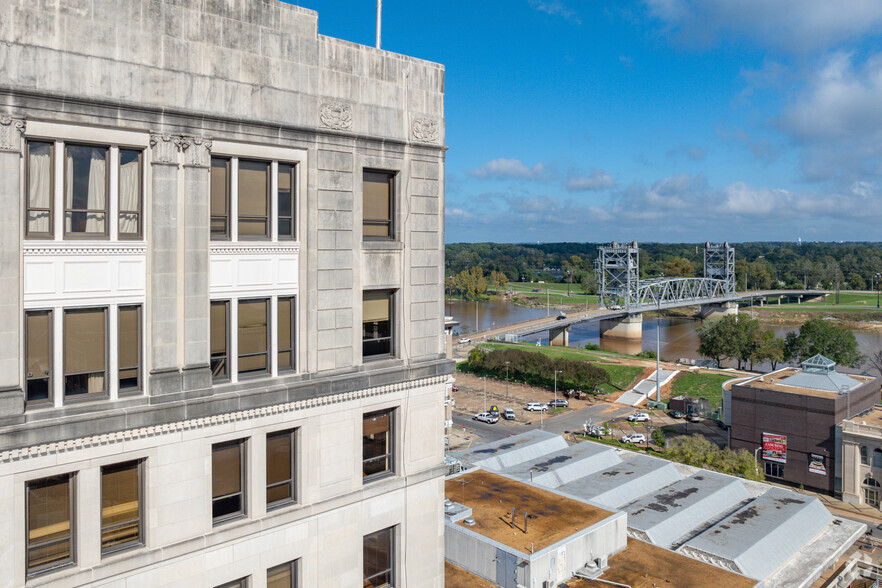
[620, 484]
[511, 451]
[566, 465]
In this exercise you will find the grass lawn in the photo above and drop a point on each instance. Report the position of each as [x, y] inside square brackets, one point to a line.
[707, 386]
[557, 293]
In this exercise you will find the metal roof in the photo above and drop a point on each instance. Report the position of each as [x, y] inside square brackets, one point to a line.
[566, 465]
[761, 536]
[511, 451]
[830, 381]
[620, 484]
[670, 513]
[819, 364]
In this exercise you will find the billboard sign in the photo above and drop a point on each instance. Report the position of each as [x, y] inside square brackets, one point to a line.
[817, 464]
[775, 447]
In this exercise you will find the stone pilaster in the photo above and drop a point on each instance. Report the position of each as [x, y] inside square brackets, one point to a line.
[195, 224]
[11, 394]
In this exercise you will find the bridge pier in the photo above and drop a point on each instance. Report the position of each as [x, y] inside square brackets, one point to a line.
[724, 308]
[626, 328]
[559, 336]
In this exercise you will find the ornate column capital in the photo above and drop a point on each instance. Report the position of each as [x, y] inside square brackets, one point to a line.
[165, 148]
[11, 131]
[197, 151]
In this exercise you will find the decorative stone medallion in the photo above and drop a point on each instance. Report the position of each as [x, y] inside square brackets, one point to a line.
[425, 130]
[335, 115]
[11, 130]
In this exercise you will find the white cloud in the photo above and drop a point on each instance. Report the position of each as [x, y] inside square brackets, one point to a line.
[798, 25]
[505, 169]
[596, 180]
[554, 7]
[693, 152]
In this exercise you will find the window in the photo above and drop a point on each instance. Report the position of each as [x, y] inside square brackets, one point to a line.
[287, 180]
[85, 190]
[220, 198]
[285, 334]
[282, 576]
[130, 201]
[85, 352]
[121, 506]
[219, 319]
[378, 559]
[377, 323]
[227, 481]
[40, 180]
[279, 468]
[253, 337]
[378, 192]
[864, 459]
[253, 199]
[240, 583]
[774, 470]
[877, 458]
[129, 348]
[38, 363]
[49, 504]
[376, 444]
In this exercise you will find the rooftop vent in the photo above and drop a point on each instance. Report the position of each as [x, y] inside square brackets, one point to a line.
[470, 521]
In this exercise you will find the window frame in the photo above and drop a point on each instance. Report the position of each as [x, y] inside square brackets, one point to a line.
[243, 483]
[71, 558]
[139, 340]
[243, 582]
[228, 368]
[269, 341]
[293, 342]
[139, 541]
[390, 455]
[291, 434]
[393, 208]
[65, 235]
[864, 455]
[294, 178]
[87, 396]
[27, 185]
[119, 210]
[227, 235]
[267, 236]
[392, 559]
[50, 376]
[292, 566]
[774, 470]
[392, 295]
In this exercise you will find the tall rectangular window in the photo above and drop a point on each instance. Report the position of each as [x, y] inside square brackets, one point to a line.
[253, 199]
[220, 357]
[85, 190]
[377, 323]
[378, 192]
[376, 444]
[40, 189]
[220, 198]
[130, 202]
[85, 352]
[285, 334]
[253, 337]
[378, 559]
[279, 468]
[121, 513]
[129, 348]
[227, 480]
[38, 363]
[287, 181]
[49, 504]
[282, 576]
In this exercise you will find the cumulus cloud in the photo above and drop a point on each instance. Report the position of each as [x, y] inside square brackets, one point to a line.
[596, 180]
[507, 169]
[557, 9]
[796, 25]
[693, 152]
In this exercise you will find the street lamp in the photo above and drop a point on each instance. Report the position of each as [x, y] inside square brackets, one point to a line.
[658, 349]
[555, 386]
[485, 394]
[506, 378]
[876, 287]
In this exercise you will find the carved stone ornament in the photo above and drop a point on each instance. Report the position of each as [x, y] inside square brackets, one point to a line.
[197, 151]
[165, 148]
[11, 130]
[425, 130]
[335, 115]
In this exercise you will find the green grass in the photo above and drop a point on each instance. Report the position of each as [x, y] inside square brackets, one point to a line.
[707, 386]
[557, 293]
[848, 302]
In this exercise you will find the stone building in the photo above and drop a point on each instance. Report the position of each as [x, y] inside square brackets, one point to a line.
[221, 349]
[862, 458]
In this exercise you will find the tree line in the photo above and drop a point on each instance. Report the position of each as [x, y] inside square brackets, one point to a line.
[536, 369]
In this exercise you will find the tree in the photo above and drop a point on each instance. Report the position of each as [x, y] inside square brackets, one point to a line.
[589, 283]
[875, 361]
[821, 337]
[742, 340]
[713, 338]
[770, 348]
[698, 451]
[679, 268]
[470, 284]
[498, 279]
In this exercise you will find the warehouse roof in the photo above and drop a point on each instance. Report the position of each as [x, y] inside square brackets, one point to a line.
[568, 464]
[511, 451]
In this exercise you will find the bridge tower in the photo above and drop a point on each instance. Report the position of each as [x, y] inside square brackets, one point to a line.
[719, 264]
[618, 271]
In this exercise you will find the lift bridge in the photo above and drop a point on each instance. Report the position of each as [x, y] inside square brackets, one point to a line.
[620, 286]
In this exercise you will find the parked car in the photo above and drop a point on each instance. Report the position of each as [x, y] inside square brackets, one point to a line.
[616, 307]
[561, 317]
[634, 438]
[559, 403]
[464, 340]
[486, 417]
[693, 417]
[536, 406]
[508, 414]
[676, 414]
[638, 417]
[494, 411]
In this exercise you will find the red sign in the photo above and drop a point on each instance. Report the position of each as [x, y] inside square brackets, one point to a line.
[775, 447]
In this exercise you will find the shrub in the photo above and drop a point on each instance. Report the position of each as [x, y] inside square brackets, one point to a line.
[536, 369]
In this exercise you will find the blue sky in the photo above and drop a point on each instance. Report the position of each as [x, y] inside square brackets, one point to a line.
[653, 120]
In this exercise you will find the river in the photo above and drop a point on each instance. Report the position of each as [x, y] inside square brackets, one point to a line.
[678, 336]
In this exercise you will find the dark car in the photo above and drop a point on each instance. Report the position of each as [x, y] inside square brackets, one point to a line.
[561, 317]
[722, 425]
[676, 414]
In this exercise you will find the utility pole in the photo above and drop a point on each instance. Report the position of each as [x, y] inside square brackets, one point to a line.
[555, 386]
[658, 351]
[506, 379]
[379, 20]
[485, 394]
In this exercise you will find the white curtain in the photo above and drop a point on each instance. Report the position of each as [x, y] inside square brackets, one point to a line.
[39, 189]
[96, 201]
[129, 197]
[96, 383]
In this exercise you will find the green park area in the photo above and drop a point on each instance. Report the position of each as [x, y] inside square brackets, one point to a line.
[849, 302]
[556, 293]
[701, 385]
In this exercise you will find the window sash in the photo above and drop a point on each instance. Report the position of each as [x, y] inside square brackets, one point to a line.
[379, 558]
[377, 323]
[285, 331]
[86, 206]
[38, 359]
[121, 521]
[280, 468]
[220, 198]
[50, 535]
[40, 182]
[376, 444]
[286, 188]
[220, 340]
[253, 337]
[254, 199]
[129, 348]
[85, 372]
[130, 194]
[228, 492]
[378, 210]
[282, 576]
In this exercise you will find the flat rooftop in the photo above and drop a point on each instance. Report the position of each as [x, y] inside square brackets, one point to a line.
[456, 577]
[872, 418]
[491, 497]
[643, 565]
[773, 381]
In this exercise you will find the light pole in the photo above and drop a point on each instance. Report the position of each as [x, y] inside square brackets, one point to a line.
[555, 386]
[485, 394]
[876, 287]
[506, 378]
[658, 349]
